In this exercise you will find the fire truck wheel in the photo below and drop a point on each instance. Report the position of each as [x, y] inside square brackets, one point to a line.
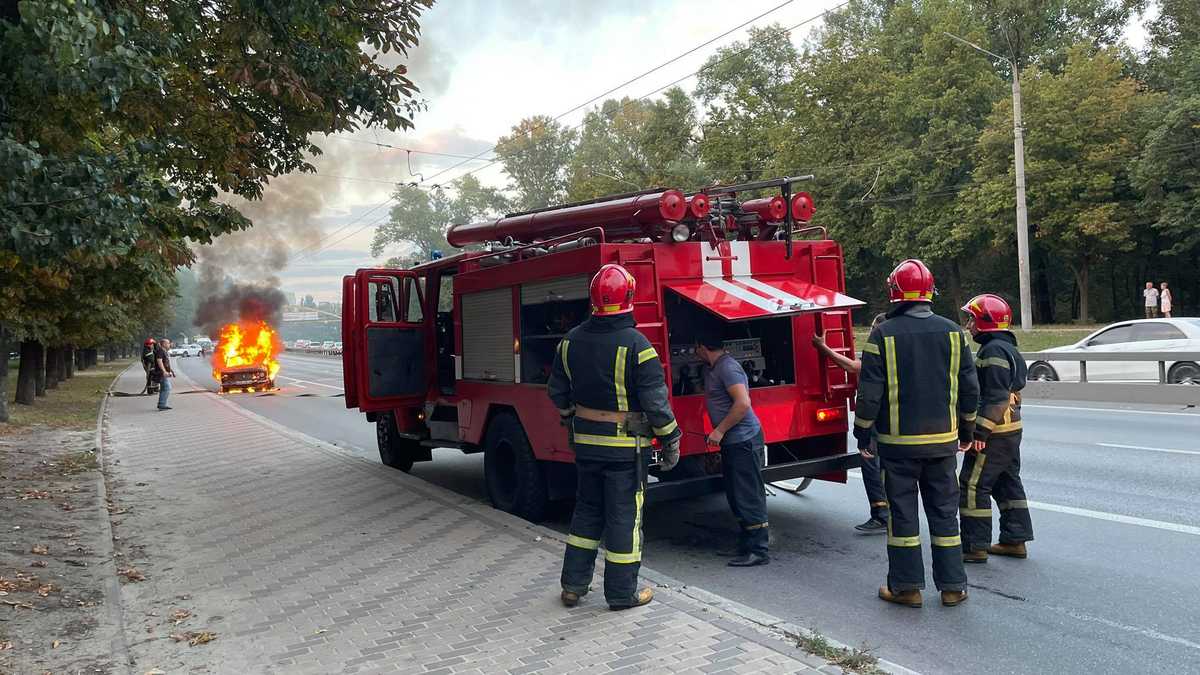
[393, 450]
[515, 480]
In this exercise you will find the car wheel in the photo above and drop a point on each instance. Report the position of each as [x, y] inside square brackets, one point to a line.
[396, 452]
[515, 480]
[1184, 372]
[1042, 372]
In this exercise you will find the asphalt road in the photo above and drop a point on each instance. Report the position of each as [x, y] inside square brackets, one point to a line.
[1112, 584]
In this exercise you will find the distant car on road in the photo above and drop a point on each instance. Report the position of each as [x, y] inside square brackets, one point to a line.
[327, 347]
[313, 347]
[300, 345]
[337, 348]
[1140, 336]
[186, 350]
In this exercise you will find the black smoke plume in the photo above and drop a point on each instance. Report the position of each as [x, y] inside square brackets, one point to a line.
[247, 302]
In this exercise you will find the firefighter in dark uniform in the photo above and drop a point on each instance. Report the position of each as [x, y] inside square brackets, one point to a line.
[608, 385]
[992, 467]
[917, 391]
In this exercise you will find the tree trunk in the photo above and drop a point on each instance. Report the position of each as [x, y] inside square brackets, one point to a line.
[80, 360]
[1081, 282]
[40, 385]
[956, 292]
[27, 373]
[53, 367]
[3, 374]
[68, 357]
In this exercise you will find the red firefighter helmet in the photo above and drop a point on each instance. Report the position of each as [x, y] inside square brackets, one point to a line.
[990, 312]
[612, 291]
[911, 281]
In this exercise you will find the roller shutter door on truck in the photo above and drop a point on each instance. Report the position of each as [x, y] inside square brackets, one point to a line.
[487, 328]
[555, 290]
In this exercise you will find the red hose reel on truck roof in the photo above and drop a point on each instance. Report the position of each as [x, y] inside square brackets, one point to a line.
[654, 214]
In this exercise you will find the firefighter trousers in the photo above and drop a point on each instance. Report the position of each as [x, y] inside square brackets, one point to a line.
[608, 508]
[873, 484]
[741, 466]
[933, 478]
[994, 473]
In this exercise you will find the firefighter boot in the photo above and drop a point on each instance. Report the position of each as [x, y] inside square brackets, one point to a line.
[570, 598]
[642, 597]
[953, 598]
[978, 557]
[1016, 550]
[907, 598]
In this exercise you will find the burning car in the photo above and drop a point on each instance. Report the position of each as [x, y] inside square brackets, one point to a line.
[244, 358]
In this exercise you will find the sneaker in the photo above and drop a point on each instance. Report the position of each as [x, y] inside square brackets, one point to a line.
[164, 407]
[872, 526]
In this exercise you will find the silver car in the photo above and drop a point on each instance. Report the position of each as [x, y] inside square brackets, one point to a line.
[1141, 336]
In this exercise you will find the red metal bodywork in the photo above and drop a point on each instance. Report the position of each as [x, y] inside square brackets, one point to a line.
[735, 280]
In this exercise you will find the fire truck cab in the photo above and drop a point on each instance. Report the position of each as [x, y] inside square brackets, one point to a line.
[456, 352]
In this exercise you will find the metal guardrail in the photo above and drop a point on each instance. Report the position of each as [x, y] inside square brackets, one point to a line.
[1160, 392]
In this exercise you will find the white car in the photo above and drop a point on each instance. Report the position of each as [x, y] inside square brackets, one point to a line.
[186, 350]
[1140, 336]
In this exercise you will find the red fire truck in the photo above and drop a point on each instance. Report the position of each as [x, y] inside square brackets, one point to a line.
[456, 352]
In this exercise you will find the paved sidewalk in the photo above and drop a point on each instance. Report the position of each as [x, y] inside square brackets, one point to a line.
[302, 559]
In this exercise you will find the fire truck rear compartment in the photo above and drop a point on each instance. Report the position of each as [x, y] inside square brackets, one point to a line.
[764, 347]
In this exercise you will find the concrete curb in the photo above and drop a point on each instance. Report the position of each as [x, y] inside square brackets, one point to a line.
[112, 588]
[765, 624]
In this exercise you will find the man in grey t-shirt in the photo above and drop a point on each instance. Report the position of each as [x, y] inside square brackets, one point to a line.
[737, 431]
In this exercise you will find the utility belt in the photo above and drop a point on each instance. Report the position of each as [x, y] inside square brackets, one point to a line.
[628, 423]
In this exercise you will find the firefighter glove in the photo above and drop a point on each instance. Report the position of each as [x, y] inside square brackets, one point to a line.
[670, 454]
[565, 415]
[863, 436]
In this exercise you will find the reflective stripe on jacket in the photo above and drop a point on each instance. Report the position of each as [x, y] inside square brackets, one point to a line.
[917, 389]
[1001, 370]
[605, 363]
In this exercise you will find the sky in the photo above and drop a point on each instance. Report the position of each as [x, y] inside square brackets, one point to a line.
[482, 66]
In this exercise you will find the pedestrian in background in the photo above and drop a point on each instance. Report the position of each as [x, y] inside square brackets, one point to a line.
[162, 368]
[1151, 296]
[877, 523]
[737, 431]
[917, 397]
[149, 367]
[1166, 300]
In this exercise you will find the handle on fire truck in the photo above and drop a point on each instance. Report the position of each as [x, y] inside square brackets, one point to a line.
[812, 228]
[596, 232]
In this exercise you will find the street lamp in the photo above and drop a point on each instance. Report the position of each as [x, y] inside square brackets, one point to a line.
[1022, 214]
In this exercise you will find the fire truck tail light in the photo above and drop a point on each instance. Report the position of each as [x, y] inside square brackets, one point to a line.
[681, 233]
[831, 415]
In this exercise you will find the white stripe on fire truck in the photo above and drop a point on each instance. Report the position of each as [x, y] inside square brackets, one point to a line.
[746, 296]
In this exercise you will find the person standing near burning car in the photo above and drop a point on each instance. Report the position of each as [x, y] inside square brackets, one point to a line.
[162, 368]
[608, 385]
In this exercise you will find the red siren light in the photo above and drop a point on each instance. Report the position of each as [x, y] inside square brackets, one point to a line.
[698, 206]
[803, 207]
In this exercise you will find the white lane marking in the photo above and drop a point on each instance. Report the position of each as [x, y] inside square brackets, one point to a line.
[1099, 515]
[1148, 632]
[284, 377]
[319, 384]
[1144, 447]
[1110, 410]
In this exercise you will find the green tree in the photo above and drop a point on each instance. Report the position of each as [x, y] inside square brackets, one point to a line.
[633, 144]
[121, 122]
[535, 157]
[1081, 132]
[419, 219]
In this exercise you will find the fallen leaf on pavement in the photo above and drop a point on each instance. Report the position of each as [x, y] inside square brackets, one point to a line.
[202, 637]
[132, 574]
[22, 605]
[46, 590]
[7, 644]
[156, 671]
[38, 563]
[55, 644]
[41, 549]
[35, 494]
[179, 615]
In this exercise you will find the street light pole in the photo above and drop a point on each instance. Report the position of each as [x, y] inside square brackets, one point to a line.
[1022, 212]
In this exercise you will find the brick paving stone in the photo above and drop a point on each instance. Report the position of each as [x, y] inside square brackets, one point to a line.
[306, 560]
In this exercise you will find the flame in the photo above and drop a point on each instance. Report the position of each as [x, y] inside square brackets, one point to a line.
[247, 343]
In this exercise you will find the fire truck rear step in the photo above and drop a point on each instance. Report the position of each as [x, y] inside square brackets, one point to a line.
[694, 487]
